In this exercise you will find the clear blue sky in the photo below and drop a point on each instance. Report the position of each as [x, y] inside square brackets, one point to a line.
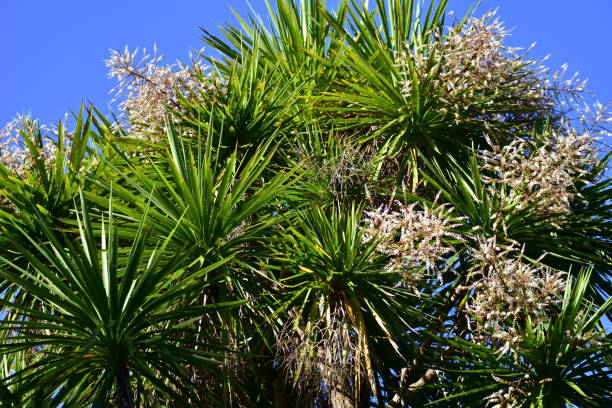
[52, 52]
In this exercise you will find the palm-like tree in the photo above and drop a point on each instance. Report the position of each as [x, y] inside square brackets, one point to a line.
[339, 303]
[106, 326]
[352, 207]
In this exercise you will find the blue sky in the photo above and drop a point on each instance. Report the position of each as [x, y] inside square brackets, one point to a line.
[53, 51]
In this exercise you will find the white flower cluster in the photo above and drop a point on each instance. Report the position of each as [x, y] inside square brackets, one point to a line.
[14, 152]
[471, 68]
[414, 238]
[477, 53]
[17, 157]
[511, 395]
[543, 175]
[509, 291]
[148, 88]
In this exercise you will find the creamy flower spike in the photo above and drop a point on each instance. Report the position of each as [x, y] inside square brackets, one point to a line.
[414, 238]
[544, 175]
[508, 290]
[470, 69]
[511, 395]
[14, 154]
[148, 88]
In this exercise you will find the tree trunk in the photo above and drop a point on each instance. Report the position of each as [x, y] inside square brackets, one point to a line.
[338, 389]
[280, 393]
[407, 390]
[338, 397]
[124, 389]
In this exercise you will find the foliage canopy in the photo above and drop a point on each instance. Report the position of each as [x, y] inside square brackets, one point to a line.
[365, 206]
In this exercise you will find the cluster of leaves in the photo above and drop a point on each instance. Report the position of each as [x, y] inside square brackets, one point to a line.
[328, 215]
